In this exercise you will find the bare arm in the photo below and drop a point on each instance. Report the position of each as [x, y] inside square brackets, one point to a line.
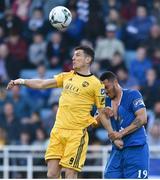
[33, 83]
[139, 121]
[105, 120]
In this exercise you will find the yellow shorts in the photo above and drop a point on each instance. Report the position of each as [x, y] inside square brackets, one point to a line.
[70, 146]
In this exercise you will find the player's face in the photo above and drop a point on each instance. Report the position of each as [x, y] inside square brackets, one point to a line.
[79, 60]
[110, 88]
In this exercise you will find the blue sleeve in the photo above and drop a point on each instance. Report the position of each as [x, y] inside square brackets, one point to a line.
[137, 101]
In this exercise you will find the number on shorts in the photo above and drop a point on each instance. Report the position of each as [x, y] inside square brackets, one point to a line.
[142, 174]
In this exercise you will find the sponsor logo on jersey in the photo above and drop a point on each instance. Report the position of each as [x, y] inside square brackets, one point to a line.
[102, 91]
[85, 84]
[138, 102]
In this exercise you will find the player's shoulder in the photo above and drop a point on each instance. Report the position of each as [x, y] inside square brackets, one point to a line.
[132, 92]
[95, 79]
[66, 74]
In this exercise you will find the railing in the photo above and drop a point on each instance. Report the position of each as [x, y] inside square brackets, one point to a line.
[28, 161]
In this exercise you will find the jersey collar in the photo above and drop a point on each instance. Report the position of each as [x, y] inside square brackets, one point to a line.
[84, 75]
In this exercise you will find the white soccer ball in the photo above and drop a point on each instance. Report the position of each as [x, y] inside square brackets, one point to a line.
[60, 17]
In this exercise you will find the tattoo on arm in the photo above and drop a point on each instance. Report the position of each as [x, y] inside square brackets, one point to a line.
[137, 123]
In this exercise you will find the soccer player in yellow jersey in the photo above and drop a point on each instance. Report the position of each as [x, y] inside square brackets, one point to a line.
[81, 90]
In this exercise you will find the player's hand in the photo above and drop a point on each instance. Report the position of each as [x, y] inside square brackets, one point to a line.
[115, 135]
[118, 143]
[108, 111]
[13, 83]
[97, 123]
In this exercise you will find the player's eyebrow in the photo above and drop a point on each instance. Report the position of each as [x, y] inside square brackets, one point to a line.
[77, 53]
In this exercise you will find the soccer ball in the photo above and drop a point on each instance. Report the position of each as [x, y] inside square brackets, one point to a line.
[60, 17]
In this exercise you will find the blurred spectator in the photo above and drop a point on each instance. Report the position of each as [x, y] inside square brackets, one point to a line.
[117, 62]
[86, 42]
[3, 98]
[40, 137]
[37, 50]
[128, 10]
[3, 63]
[3, 5]
[154, 114]
[2, 34]
[3, 137]
[157, 110]
[114, 17]
[18, 50]
[7, 62]
[137, 29]
[150, 90]
[56, 50]
[31, 124]
[74, 32]
[21, 8]
[125, 80]
[156, 60]
[81, 7]
[153, 41]
[17, 46]
[10, 22]
[37, 4]
[23, 106]
[140, 65]
[95, 69]
[154, 134]
[110, 4]
[95, 20]
[11, 124]
[25, 138]
[49, 117]
[40, 96]
[106, 47]
[155, 12]
[36, 23]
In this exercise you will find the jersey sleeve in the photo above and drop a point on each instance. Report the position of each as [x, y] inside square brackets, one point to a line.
[137, 101]
[99, 95]
[59, 79]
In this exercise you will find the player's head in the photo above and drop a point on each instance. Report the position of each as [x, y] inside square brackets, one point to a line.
[83, 57]
[110, 82]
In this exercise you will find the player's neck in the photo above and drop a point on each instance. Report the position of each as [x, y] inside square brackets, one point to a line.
[119, 94]
[84, 71]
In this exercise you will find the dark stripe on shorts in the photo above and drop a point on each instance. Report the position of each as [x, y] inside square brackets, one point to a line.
[80, 148]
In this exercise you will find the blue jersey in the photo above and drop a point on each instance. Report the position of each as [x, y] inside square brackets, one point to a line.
[131, 101]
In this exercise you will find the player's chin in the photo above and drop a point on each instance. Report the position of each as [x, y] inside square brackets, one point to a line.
[75, 67]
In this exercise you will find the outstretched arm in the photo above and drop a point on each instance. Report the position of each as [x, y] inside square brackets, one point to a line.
[139, 121]
[33, 83]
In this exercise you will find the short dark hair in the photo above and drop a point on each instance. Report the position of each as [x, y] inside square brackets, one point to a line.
[108, 75]
[87, 50]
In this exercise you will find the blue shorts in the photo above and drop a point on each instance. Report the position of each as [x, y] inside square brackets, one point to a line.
[131, 162]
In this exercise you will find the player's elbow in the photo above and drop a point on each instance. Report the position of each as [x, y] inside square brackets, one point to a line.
[143, 120]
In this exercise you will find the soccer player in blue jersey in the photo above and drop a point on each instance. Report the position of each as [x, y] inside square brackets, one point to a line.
[127, 113]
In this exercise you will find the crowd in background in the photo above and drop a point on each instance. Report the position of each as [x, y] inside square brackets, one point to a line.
[125, 35]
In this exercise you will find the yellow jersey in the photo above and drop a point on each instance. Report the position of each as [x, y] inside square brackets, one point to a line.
[79, 94]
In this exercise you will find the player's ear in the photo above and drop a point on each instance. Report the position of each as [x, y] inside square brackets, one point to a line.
[88, 59]
[116, 81]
